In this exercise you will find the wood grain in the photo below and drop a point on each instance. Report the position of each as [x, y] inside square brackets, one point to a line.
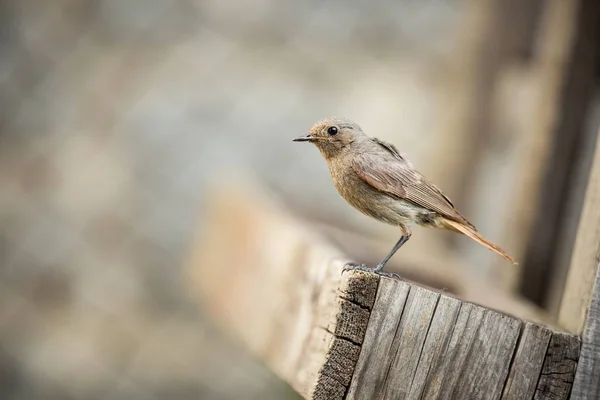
[357, 296]
[527, 364]
[408, 342]
[587, 378]
[374, 362]
[558, 371]
[436, 347]
[438, 337]
[480, 358]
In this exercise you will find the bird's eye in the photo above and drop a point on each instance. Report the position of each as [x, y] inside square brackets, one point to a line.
[333, 130]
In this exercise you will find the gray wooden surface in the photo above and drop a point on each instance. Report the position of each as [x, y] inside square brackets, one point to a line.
[409, 340]
[420, 344]
[587, 379]
[372, 367]
[559, 367]
[527, 365]
[440, 332]
[357, 296]
[335, 335]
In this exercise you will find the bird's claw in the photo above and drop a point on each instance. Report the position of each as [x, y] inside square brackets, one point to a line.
[358, 267]
[388, 274]
[363, 267]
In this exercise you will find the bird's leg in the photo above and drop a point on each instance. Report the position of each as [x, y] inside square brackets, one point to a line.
[363, 267]
[403, 239]
[379, 268]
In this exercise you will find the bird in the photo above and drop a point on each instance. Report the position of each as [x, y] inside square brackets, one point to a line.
[378, 181]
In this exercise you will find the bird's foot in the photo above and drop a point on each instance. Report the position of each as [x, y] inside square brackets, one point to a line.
[358, 267]
[375, 270]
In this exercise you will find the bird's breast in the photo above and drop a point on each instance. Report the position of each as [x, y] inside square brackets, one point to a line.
[374, 203]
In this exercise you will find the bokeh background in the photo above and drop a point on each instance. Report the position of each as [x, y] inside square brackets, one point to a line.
[115, 115]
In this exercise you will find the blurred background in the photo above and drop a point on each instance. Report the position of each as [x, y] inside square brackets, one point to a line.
[116, 115]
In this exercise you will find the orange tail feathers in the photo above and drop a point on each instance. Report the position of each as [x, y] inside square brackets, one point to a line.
[473, 234]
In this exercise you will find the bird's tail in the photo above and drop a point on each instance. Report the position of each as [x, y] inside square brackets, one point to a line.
[473, 234]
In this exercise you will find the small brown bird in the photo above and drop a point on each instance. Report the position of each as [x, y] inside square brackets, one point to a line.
[375, 179]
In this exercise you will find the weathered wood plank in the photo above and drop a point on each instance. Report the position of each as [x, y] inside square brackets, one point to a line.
[587, 379]
[350, 323]
[337, 370]
[356, 298]
[438, 337]
[335, 335]
[408, 342]
[527, 363]
[559, 367]
[434, 352]
[446, 371]
[359, 288]
[486, 364]
[373, 363]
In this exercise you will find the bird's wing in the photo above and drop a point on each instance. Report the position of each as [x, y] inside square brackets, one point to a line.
[395, 176]
[389, 147]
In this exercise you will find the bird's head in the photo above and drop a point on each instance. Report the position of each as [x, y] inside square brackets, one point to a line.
[331, 135]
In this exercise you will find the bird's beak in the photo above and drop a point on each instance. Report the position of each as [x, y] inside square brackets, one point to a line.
[310, 138]
[306, 138]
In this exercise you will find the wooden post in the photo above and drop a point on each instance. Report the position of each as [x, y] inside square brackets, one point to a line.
[279, 286]
[571, 47]
[580, 308]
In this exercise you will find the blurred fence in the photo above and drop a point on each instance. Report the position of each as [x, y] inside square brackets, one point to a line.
[115, 114]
